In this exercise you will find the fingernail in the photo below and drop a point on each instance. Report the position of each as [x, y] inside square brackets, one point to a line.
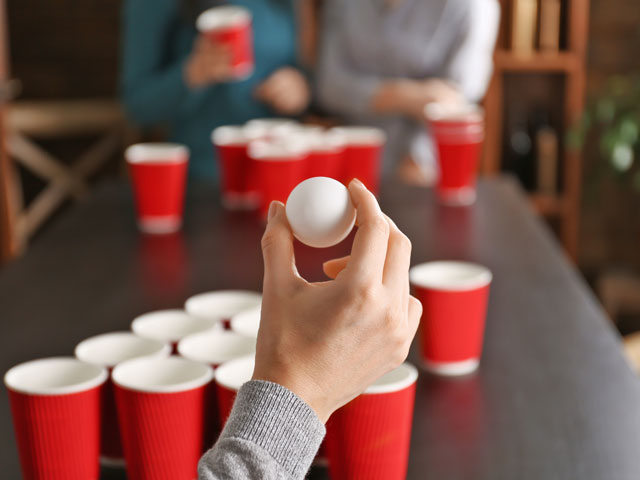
[355, 181]
[273, 209]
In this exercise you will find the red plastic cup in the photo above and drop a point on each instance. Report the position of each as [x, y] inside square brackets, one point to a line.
[170, 326]
[277, 167]
[454, 298]
[215, 348]
[230, 376]
[326, 154]
[362, 155]
[231, 144]
[230, 26]
[108, 350]
[55, 403]
[221, 305]
[369, 438]
[158, 174]
[162, 404]
[247, 322]
[458, 133]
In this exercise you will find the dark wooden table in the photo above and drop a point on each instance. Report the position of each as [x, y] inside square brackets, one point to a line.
[553, 398]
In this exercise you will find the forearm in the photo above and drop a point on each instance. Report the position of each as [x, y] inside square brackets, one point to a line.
[271, 433]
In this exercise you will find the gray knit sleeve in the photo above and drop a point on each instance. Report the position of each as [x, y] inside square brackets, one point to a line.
[270, 434]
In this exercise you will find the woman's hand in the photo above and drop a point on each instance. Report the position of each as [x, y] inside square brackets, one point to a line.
[286, 91]
[327, 342]
[409, 97]
[208, 63]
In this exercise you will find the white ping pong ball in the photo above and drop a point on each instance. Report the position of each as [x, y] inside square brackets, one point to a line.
[320, 212]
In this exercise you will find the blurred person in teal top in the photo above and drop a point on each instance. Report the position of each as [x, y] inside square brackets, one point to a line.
[173, 76]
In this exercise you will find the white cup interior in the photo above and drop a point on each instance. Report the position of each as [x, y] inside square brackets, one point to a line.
[437, 112]
[169, 325]
[110, 349]
[394, 381]
[217, 347]
[157, 153]
[222, 304]
[247, 323]
[278, 149]
[54, 376]
[450, 276]
[222, 17]
[229, 135]
[162, 375]
[235, 373]
[360, 136]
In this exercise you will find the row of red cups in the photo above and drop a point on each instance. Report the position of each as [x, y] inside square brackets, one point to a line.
[264, 160]
[57, 403]
[166, 408]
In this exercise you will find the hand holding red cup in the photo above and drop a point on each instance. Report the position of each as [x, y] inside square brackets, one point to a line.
[230, 26]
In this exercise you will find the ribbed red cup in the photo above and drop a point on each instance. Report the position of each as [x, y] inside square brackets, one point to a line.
[55, 403]
[158, 175]
[108, 350]
[162, 404]
[326, 154]
[230, 25]
[215, 348]
[170, 326]
[231, 144]
[369, 438]
[230, 376]
[362, 156]
[458, 132]
[277, 167]
[454, 298]
[221, 305]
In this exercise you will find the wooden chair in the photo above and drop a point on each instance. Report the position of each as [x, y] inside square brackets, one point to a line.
[26, 123]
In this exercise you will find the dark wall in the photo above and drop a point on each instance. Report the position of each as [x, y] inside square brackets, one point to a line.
[65, 48]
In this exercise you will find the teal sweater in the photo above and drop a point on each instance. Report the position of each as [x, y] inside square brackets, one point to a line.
[157, 41]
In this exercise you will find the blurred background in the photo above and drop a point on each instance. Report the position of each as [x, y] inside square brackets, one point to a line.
[564, 108]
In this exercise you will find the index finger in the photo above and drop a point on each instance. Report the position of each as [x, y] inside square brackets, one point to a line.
[369, 248]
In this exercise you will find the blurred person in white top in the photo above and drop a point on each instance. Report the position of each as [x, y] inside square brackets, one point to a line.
[381, 61]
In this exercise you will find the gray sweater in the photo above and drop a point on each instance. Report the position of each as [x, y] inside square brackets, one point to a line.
[270, 434]
[365, 42]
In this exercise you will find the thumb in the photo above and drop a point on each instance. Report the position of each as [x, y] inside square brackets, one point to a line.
[277, 249]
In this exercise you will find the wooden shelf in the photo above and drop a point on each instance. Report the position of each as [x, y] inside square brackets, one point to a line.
[548, 205]
[561, 62]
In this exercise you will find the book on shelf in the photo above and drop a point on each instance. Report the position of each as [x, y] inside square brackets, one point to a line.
[547, 160]
[549, 28]
[523, 26]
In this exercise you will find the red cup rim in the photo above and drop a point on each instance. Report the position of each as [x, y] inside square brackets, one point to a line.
[247, 323]
[161, 375]
[156, 153]
[450, 276]
[170, 325]
[109, 349]
[222, 18]
[360, 136]
[221, 304]
[229, 135]
[469, 112]
[54, 376]
[278, 151]
[217, 347]
[394, 381]
[235, 373]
